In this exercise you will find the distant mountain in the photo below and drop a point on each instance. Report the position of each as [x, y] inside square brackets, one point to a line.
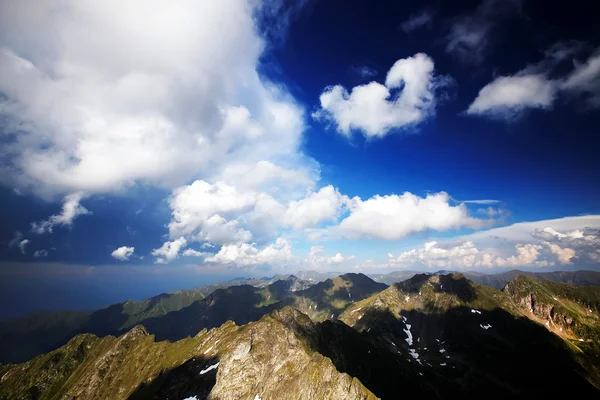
[37, 333]
[184, 313]
[394, 277]
[316, 276]
[432, 336]
[498, 281]
[243, 304]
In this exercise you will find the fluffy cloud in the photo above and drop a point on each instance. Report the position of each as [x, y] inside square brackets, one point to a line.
[507, 96]
[375, 109]
[317, 207]
[417, 21]
[316, 258]
[466, 255]
[531, 244]
[194, 253]
[471, 35]
[222, 214]
[247, 254]
[169, 250]
[393, 217]
[71, 209]
[123, 253]
[76, 105]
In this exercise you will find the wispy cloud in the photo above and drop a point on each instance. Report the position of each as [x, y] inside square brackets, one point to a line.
[417, 21]
[471, 35]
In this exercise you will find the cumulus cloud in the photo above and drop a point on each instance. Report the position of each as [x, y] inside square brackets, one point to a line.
[71, 209]
[406, 98]
[76, 106]
[508, 96]
[532, 244]
[472, 35]
[467, 255]
[417, 21]
[22, 245]
[247, 254]
[316, 258]
[194, 253]
[393, 217]
[317, 207]
[123, 253]
[222, 214]
[169, 250]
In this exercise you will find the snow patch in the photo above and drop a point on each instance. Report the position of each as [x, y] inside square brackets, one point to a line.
[257, 397]
[547, 323]
[414, 355]
[442, 364]
[409, 339]
[475, 311]
[442, 351]
[486, 327]
[207, 350]
[191, 398]
[581, 340]
[214, 366]
[358, 309]
[407, 298]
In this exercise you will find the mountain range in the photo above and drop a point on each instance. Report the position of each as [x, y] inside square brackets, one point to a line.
[434, 335]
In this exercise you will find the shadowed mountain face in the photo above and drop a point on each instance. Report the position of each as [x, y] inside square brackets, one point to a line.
[433, 336]
[170, 317]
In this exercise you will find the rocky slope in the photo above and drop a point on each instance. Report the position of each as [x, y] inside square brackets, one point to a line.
[268, 359]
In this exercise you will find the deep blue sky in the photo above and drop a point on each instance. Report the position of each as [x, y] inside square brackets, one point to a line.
[538, 162]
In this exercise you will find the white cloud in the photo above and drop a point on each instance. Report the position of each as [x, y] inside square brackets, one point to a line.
[393, 217]
[375, 109]
[222, 214]
[508, 96]
[22, 245]
[315, 208]
[467, 255]
[40, 253]
[471, 35]
[417, 21]
[71, 209]
[178, 97]
[169, 250]
[564, 241]
[123, 253]
[316, 258]
[247, 254]
[194, 253]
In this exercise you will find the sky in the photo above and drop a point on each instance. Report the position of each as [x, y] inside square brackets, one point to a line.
[149, 146]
